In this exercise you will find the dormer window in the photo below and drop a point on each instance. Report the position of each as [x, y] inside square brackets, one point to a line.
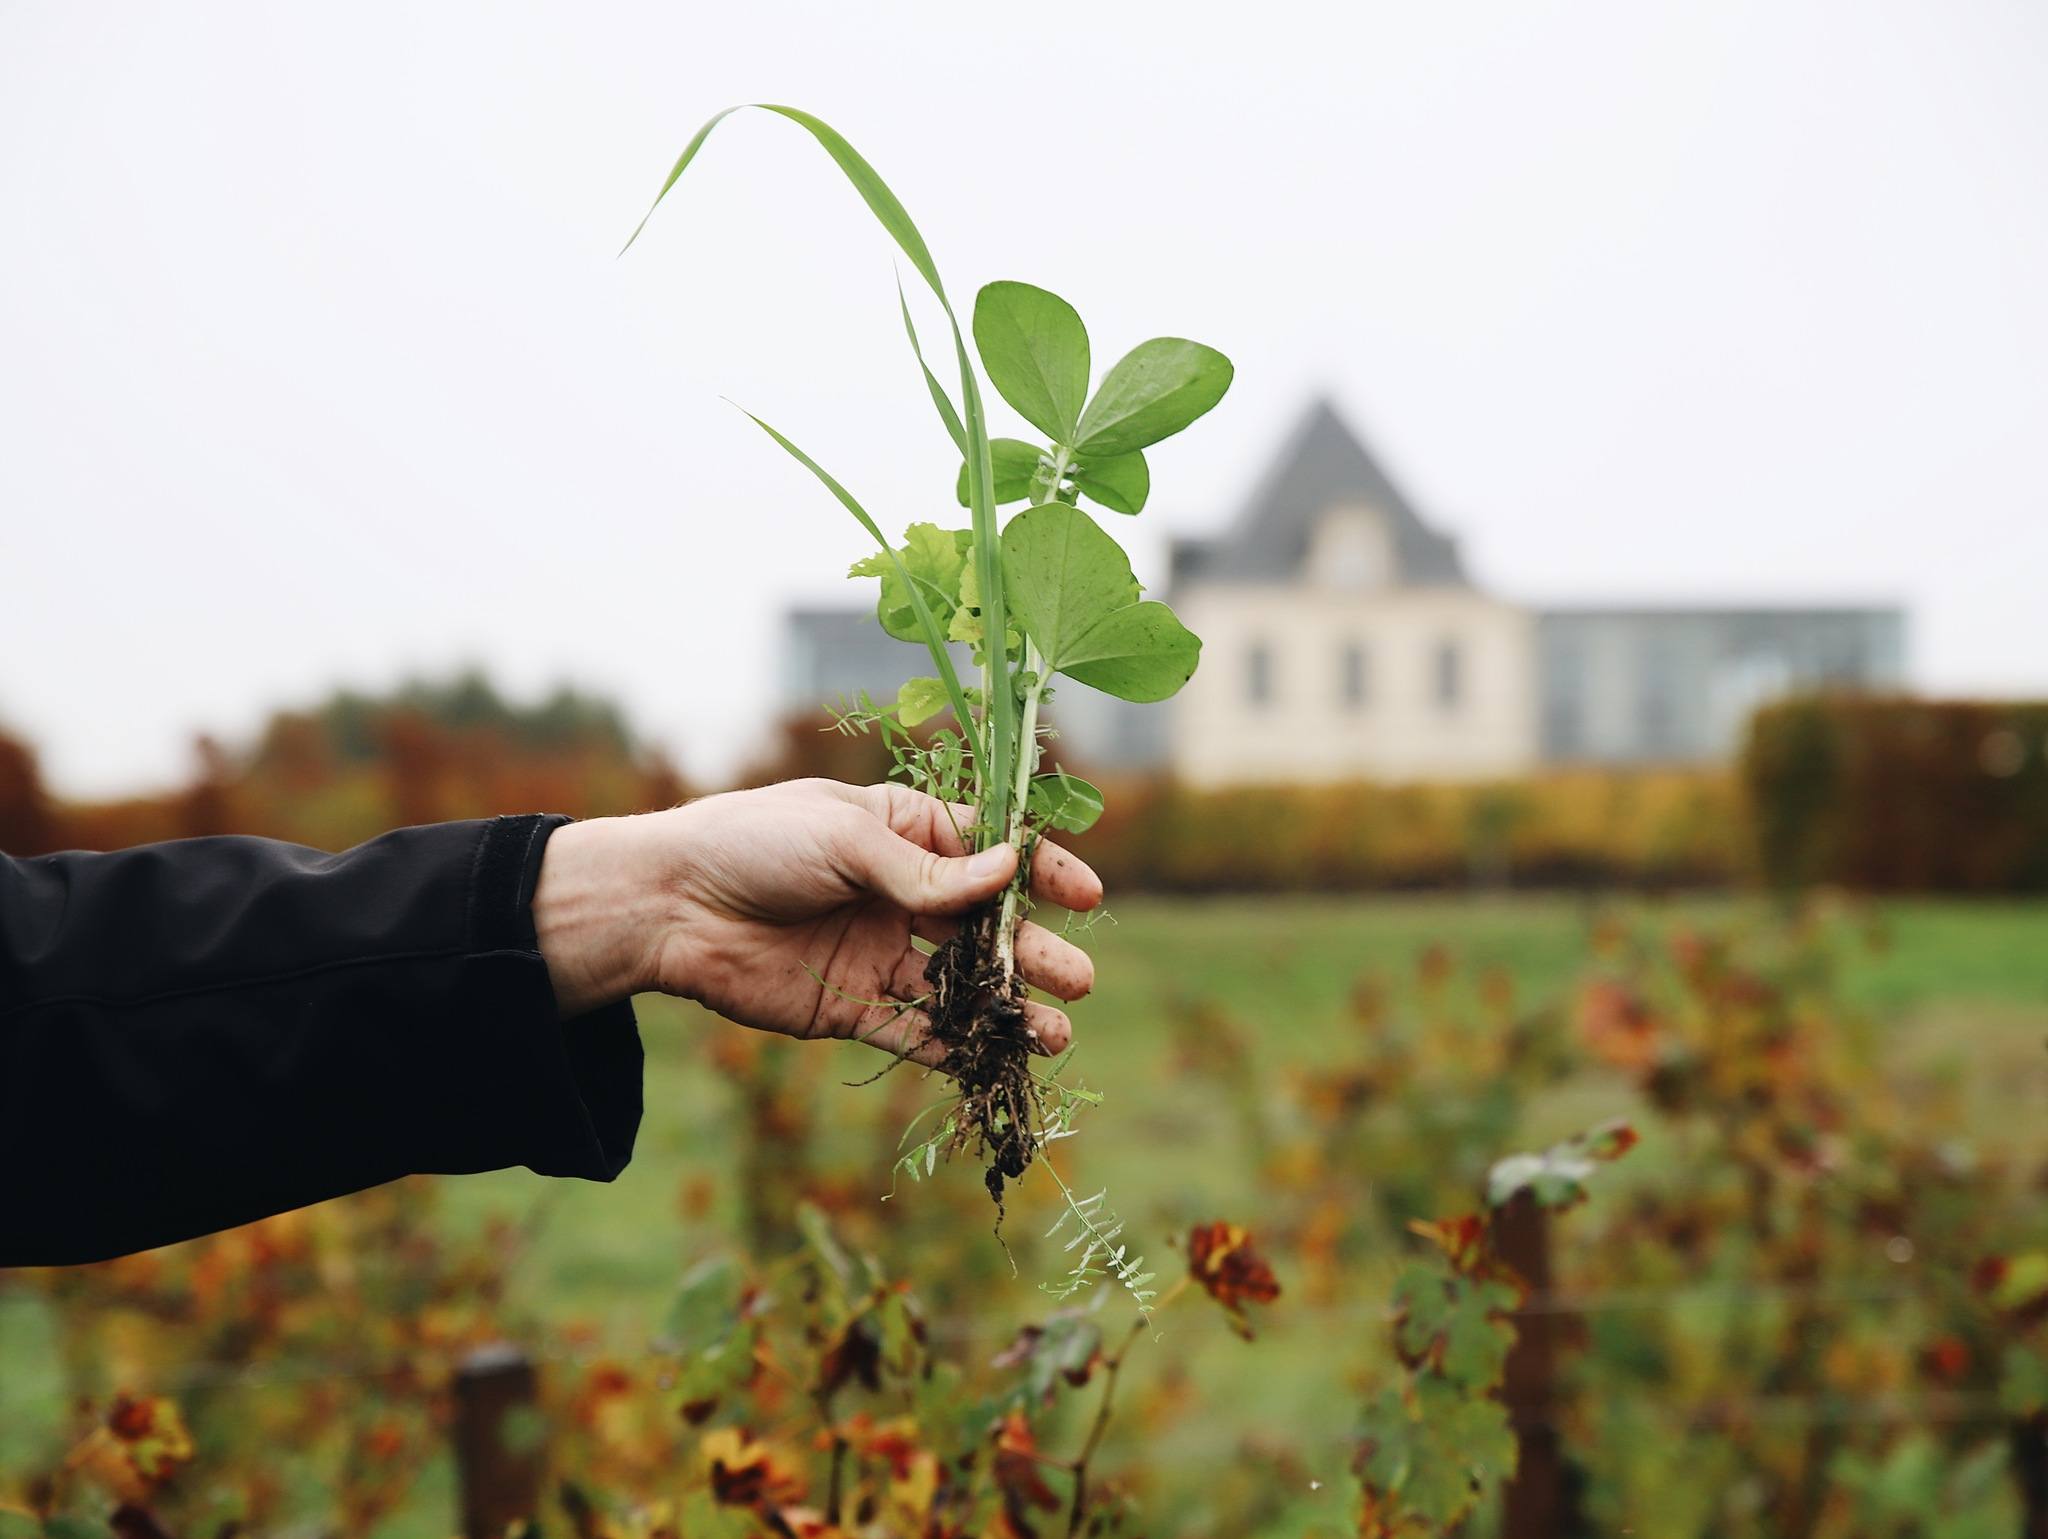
[1353, 548]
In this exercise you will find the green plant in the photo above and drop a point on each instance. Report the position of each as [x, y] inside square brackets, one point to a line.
[1048, 593]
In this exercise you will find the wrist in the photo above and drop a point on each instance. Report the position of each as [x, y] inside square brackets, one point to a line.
[598, 913]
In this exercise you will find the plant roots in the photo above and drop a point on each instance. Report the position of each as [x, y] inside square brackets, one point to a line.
[977, 1012]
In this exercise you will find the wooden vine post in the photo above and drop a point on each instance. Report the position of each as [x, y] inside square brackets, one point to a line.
[499, 1454]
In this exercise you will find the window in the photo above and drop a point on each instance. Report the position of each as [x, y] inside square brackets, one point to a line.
[1449, 674]
[1258, 674]
[1352, 676]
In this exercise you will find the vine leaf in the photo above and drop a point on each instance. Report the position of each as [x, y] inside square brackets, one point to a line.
[1035, 349]
[1155, 390]
[1070, 586]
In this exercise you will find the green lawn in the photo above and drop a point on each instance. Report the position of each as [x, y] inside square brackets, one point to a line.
[1959, 985]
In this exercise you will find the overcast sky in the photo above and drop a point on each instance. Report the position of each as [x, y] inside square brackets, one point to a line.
[316, 364]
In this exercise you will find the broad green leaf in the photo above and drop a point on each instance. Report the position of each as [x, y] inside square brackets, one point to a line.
[1118, 482]
[1155, 390]
[1071, 588]
[1142, 653]
[928, 629]
[1063, 575]
[1016, 465]
[1065, 802]
[919, 700]
[1036, 352]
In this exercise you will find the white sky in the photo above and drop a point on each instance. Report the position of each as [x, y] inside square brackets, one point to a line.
[316, 364]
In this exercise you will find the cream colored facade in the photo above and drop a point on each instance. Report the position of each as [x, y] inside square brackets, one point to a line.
[1329, 680]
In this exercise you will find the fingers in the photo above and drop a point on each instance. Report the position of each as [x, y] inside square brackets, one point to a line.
[1048, 1027]
[1045, 960]
[943, 829]
[901, 1032]
[916, 878]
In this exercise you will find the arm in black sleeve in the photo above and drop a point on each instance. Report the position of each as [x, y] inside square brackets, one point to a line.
[200, 1033]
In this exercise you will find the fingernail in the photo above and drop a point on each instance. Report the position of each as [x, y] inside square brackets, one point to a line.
[990, 863]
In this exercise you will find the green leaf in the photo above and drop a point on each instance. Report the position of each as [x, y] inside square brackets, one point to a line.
[1071, 588]
[1118, 482]
[1016, 466]
[866, 181]
[931, 561]
[919, 700]
[1142, 653]
[929, 631]
[1065, 802]
[706, 1303]
[1036, 352]
[940, 399]
[1155, 390]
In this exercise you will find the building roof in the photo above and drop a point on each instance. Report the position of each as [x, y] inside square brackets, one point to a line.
[1322, 466]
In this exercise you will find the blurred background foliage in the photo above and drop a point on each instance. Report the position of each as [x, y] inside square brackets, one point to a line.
[1814, 1301]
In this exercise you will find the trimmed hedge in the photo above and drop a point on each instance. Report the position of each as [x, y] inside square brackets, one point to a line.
[1900, 795]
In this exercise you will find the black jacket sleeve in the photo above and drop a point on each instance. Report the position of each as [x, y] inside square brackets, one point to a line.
[200, 1033]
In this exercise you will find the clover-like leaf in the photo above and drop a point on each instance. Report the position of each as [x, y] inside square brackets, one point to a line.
[1016, 467]
[1071, 589]
[1118, 482]
[1155, 390]
[1036, 352]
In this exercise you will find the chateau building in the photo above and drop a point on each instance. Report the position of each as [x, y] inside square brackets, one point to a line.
[1343, 639]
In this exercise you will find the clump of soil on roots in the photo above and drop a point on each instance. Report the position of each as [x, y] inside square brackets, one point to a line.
[977, 1012]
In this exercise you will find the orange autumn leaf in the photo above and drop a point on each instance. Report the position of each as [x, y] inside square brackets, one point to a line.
[1222, 1258]
[745, 1472]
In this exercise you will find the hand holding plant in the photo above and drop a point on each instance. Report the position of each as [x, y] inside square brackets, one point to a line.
[792, 909]
[1049, 594]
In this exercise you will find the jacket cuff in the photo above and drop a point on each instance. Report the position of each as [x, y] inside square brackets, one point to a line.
[583, 1105]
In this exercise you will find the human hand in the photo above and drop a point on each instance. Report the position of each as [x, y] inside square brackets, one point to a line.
[791, 909]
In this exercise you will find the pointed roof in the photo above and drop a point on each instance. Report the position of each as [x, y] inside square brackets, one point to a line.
[1322, 466]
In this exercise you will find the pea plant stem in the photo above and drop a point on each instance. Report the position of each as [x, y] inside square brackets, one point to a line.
[1034, 669]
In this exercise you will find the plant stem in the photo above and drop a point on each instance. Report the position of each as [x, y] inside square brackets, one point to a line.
[1032, 663]
[1077, 1510]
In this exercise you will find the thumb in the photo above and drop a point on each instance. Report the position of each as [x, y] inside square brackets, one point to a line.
[913, 877]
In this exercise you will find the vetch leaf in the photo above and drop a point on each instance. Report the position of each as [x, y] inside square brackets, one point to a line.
[1155, 390]
[1016, 465]
[1071, 588]
[1118, 482]
[1065, 802]
[1036, 352]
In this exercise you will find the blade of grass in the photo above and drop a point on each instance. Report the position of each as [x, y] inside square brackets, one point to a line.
[999, 725]
[934, 638]
[940, 399]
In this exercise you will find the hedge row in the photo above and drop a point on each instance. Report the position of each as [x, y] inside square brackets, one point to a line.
[1900, 795]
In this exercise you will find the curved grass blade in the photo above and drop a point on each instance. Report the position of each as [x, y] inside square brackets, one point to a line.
[940, 399]
[934, 638]
[999, 734]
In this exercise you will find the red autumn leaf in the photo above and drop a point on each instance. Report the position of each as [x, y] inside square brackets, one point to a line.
[1017, 1473]
[1222, 1258]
